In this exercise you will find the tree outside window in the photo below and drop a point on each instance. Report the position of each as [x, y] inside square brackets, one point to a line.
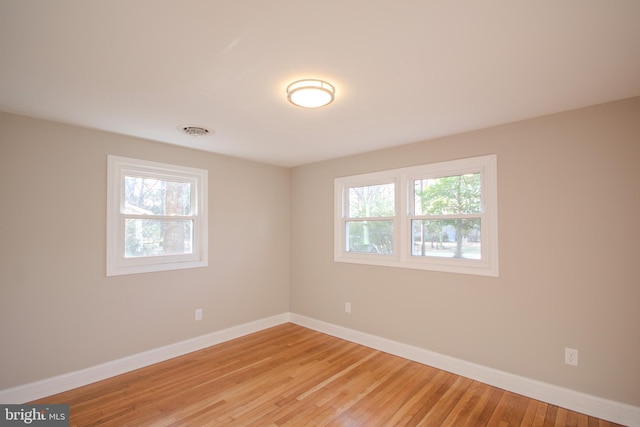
[447, 211]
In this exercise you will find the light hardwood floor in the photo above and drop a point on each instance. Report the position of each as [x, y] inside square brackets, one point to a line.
[290, 375]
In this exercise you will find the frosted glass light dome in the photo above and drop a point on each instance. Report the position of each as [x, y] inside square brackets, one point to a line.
[310, 93]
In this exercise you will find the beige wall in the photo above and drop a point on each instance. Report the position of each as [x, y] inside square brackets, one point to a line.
[58, 310]
[569, 233]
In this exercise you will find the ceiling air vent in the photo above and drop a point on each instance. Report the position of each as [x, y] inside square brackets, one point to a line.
[194, 130]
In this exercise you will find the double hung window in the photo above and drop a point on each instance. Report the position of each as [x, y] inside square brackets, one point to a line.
[440, 216]
[157, 216]
[370, 218]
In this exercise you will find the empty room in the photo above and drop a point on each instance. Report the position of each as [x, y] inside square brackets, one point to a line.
[354, 213]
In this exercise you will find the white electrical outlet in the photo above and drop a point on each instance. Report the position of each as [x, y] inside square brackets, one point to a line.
[347, 307]
[198, 314]
[571, 356]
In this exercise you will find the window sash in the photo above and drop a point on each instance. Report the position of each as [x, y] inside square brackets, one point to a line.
[163, 222]
[454, 248]
[371, 243]
[167, 177]
[118, 262]
[404, 180]
[376, 179]
[348, 201]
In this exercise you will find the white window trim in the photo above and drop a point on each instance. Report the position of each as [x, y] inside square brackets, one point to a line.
[117, 264]
[401, 257]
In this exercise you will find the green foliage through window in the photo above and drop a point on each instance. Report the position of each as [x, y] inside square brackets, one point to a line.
[458, 197]
[165, 200]
[370, 233]
[460, 194]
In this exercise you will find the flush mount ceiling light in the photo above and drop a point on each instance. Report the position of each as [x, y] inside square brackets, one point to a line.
[310, 93]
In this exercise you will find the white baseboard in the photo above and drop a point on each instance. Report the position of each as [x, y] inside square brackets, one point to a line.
[60, 383]
[570, 399]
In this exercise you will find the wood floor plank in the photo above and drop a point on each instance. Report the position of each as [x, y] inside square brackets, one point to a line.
[550, 417]
[537, 418]
[395, 395]
[430, 400]
[479, 407]
[447, 401]
[427, 381]
[465, 407]
[380, 397]
[292, 376]
[515, 412]
[501, 407]
[488, 408]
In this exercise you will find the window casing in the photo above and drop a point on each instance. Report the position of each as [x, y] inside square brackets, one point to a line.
[440, 216]
[156, 217]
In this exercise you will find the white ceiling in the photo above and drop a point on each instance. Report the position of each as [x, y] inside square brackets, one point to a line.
[404, 71]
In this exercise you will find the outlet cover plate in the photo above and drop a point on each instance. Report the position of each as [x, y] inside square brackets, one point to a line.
[571, 356]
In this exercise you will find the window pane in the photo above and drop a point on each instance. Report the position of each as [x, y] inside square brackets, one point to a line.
[449, 195]
[148, 196]
[449, 238]
[154, 237]
[370, 237]
[372, 201]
